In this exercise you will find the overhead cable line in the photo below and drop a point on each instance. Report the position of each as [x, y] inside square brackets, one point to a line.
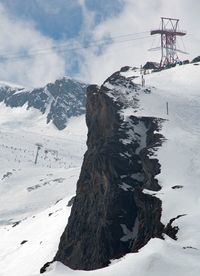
[65, 47]
[109, 38]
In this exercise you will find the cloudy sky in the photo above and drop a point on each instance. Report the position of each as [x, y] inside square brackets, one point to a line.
[41, 40]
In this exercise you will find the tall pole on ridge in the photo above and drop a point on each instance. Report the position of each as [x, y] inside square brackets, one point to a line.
[169, 32]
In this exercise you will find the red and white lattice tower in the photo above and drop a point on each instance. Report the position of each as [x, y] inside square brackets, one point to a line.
[169, 32]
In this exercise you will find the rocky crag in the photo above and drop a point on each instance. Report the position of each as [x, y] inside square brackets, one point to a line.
[113, 213]
[59, 100]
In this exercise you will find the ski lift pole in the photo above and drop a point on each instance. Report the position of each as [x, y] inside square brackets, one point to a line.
[37, 153]
[143, 80]
[167, 107]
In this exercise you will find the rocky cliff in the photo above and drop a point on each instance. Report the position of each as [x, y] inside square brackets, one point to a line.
[113, 213]
[59, 100]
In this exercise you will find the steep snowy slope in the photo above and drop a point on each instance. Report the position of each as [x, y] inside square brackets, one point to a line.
[179, 177]
[23, 182]
[31, 195]
[32, 191]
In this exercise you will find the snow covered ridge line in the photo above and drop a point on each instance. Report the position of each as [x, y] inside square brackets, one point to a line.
[111, 216]
[58, 101]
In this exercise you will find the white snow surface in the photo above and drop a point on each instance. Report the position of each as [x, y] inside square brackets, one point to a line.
[34, 197]
[179, 157]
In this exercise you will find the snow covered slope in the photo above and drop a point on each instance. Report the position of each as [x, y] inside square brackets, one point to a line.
[43, 220]
[33, 206]
[22, 182]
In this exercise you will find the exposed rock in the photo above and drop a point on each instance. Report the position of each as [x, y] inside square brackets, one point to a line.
[196, 59]
[71, 201]
[16, 223]
[45, 267]
[170, 230]
[186, 61]
[177, 187]
[6, 175]
[125, 68]
[151, 65]
[111, 216]
[190, 247]
[23, 242]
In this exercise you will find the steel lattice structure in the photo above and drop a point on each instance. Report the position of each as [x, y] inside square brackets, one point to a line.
[169, 31]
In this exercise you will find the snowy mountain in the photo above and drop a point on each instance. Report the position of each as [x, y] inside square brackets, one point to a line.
[34, 197]
[59, 101]
[30, 187]
[32, 143]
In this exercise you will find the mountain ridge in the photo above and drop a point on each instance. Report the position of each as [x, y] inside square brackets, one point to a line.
[60, 100]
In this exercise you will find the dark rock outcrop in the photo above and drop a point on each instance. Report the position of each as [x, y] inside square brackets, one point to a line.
[60, 100]
[196, 59]
[111, 215]
[151, 65]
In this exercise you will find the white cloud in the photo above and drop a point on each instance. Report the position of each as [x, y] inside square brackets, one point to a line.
[139, 16]
[17, 38]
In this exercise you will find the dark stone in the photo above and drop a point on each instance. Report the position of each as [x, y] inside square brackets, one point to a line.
[111, 216]
[23, 242]
[186, 61]
[58, 201]
[149, 65]
[190, 247]
[71, 201]
[177, 187]
[196, 59]
[16, 223]
[170, 230]
[125, 68]
[43, 269]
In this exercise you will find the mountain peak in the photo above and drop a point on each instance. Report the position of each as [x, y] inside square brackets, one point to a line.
[59, 100]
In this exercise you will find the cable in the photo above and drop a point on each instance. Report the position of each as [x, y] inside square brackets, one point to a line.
[64, 47]
[110, 52]
[92, 42]
[28, 55]
[183, 45]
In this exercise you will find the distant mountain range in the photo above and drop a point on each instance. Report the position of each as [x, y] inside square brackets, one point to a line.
[60, 100]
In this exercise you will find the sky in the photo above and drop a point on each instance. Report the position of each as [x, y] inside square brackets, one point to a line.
[42, 40]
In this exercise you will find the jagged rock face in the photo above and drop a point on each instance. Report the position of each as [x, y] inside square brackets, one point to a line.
[60, 100]
[111, 216]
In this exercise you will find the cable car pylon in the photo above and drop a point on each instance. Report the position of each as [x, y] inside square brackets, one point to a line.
[169, 32]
